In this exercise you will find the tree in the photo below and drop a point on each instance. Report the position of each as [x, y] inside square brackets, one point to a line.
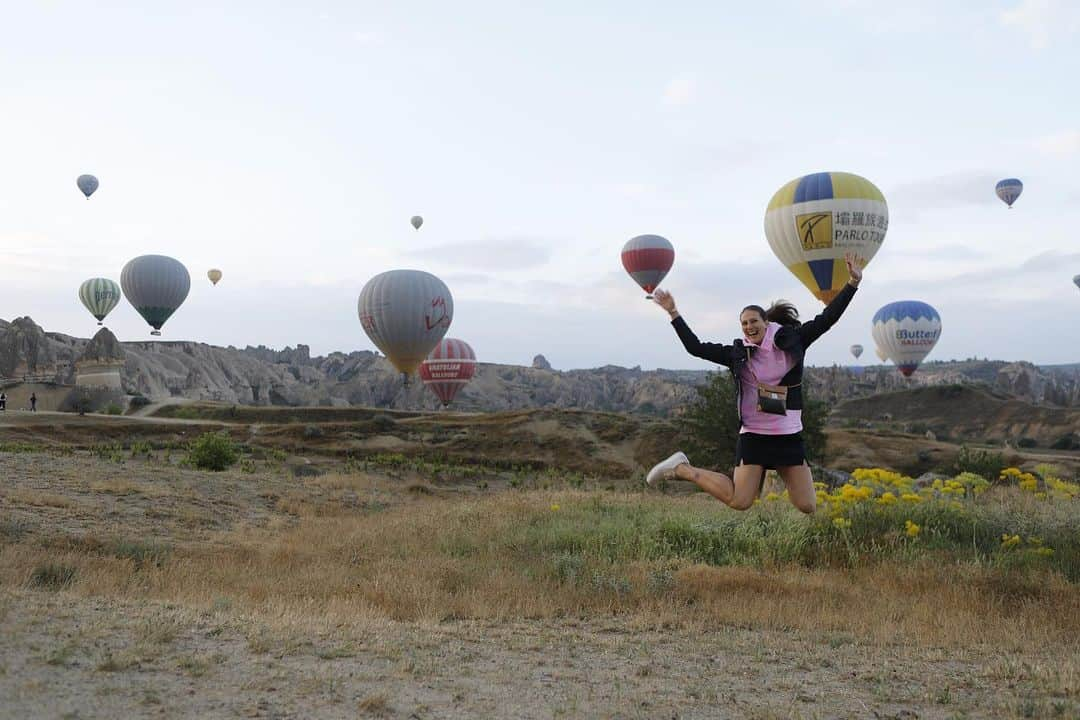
[711, 425]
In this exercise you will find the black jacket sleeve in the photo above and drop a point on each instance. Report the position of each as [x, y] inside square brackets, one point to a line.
[714, 352]
[813, 329]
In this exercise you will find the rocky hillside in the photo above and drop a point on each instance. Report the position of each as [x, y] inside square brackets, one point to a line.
[263, 376]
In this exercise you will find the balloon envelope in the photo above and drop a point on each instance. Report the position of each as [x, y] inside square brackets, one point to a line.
[88, 184]
[1076, 280]
[856, 350]
[1008, 190]
[648, 258]
[214, 274]
[416, 221]
[813, 221]
[405, 313]
[448, 368]
[99, 296]
[907, 331]
[880, 354]
[156, 286]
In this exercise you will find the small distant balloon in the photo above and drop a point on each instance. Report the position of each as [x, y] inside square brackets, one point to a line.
[88, 184]
[881, 354]
[416, 221]
[856, 350]
[1076, 280]
[214, 274]
[99, 296]
[648, 258]
[1008, 190]
[907, 331]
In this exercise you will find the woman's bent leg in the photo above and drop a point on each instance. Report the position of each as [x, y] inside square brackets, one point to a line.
[738, 493]
[800, 486]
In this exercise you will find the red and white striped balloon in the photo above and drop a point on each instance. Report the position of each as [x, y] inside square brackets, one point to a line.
[648, 258]
[448, 368]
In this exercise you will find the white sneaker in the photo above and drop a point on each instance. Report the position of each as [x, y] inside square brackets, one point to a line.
[666, 469]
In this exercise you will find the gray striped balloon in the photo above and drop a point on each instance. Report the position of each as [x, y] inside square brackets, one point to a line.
[100, 296]
[405, 313]
[156, 286]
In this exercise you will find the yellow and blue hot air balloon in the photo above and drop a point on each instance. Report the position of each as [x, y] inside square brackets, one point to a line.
[813, 221]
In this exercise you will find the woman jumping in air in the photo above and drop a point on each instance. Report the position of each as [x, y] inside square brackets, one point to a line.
[767, 366]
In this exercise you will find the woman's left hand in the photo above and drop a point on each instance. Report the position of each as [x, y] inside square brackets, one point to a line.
[854, 268]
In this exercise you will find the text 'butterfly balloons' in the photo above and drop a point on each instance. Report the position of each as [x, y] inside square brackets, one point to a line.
[906, 331]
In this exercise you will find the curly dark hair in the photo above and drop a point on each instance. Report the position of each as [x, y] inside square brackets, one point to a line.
[780, 311]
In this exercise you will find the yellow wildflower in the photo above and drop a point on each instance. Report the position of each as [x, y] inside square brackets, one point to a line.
[772, 496]
[887, 498]
[554, 508]
[1007, 540]
[911, 529]
[841, 523]
[1044, 552]
[911, 497]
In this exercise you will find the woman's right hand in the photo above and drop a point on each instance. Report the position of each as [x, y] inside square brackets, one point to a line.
[665, 300]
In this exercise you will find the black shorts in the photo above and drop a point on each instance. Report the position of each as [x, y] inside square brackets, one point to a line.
[770, 451]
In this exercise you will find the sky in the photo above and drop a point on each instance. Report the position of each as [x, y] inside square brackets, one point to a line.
[289, 147]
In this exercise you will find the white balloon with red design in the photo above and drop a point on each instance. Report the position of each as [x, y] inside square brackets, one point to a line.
[405, 313]
[448, 368]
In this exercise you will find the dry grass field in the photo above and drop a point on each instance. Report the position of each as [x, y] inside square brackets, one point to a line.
[373, 572]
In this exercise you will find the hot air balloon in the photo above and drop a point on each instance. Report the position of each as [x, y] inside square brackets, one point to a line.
[416, 221]
[448, 368]
[648, 258]
[856, 350]
[88, 184]
[214, 274]
[100, 296]
[405, 313]
[156, 286]
[1076, 280]
[813, 221]
[907, 331]
[1008, 190]
[881, 354]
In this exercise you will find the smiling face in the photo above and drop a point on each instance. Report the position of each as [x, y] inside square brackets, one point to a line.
[753, 326]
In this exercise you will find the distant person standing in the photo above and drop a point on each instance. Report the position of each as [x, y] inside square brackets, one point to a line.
[33, 402]
[3, 401]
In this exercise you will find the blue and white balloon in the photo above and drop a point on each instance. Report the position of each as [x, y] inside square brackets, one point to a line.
[1008, 190]
[906, 331]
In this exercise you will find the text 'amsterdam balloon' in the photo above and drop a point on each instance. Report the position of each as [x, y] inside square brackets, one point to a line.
[405, 313]
[648, 258]
[907, 331]
[1008, 190]
[99, 296]
[88, 184]
[156, 286]
[813, 221]
[448, 368]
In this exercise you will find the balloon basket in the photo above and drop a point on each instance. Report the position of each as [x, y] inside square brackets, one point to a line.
[649, 296]
[156, 333]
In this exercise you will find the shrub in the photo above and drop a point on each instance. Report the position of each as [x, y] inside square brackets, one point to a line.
[1026, 442]
[213, 451]
[113, 409]
[52, 576]
[83, 400]
[981, 462]
[1068, 441]
[138, 401]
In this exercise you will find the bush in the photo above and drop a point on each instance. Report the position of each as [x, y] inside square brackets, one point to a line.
[213, 451]
[1026, 442]
[1068, 441]
[138, 401]
[84, 400]
[981, 462]
[113, 409]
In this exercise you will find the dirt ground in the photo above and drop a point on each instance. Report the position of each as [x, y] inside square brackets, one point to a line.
[78, 653]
